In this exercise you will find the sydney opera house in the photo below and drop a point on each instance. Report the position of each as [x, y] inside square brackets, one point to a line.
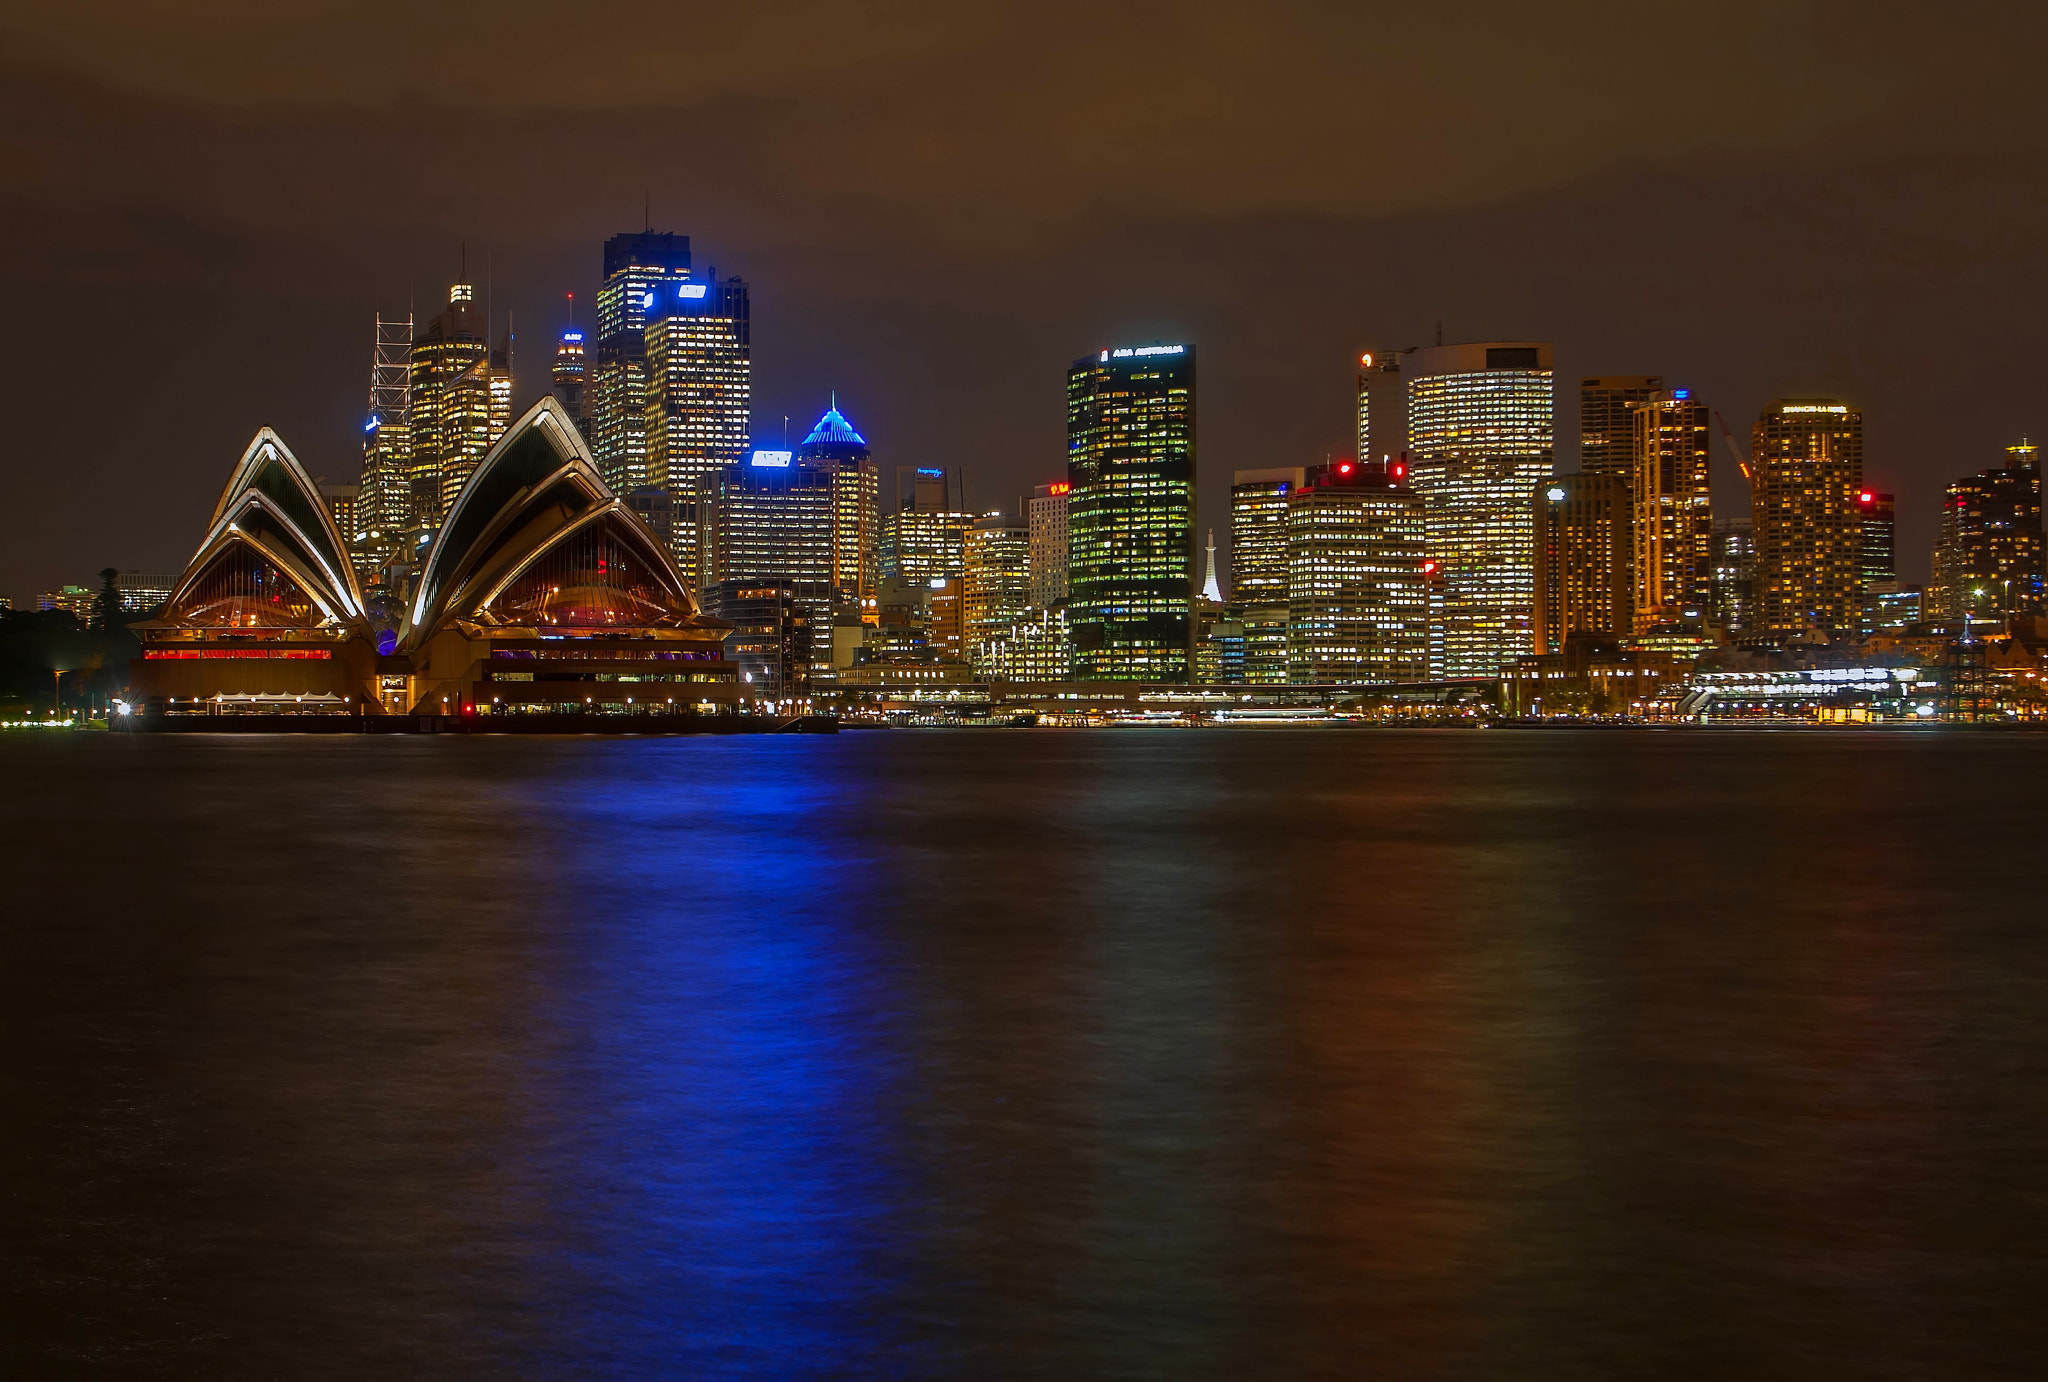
[541, 596]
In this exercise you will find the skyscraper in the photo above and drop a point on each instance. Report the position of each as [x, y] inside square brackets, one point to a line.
[636, 268]
[1382, 408]
[1357, 599]
[1480, 426]
[1607, 432]
[385, 508]
[461, 401]
[834, 447]
[995, 588]
[1806, 469]
[1258, 532]
[571, 374]
[698, 357]
[1988, 558]
[767, 521]
[1880, 562]
[925, 539]
[1131, 515]
[1583, 559]
[1674, 519]
[1045, 523]
[1731, 595]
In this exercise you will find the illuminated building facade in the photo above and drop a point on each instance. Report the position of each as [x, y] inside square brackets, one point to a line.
[917, 545]
[1045, 523]
[836, 448]
[1357, 602]
[1988, 558]
[1875, 511]
[1035, 648]
[698, 355]
[571, 376]
[1806, 469]
[387, 522]
[1382, 418]
[1583, 559]
[1131, 513]
[461, 402]
[1258, 532]
[638, 268]
[1607, 427]
[768, 521]
[1674, 521]
[1480, 422]
[995, 583]
[1731, 589]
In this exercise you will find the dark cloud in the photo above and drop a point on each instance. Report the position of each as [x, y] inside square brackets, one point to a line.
[941, 205]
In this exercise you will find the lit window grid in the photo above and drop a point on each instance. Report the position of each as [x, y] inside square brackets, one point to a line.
[1357, 600]
[1806, 470]
[1130, 563]
[1479, 443]
[1673, 519]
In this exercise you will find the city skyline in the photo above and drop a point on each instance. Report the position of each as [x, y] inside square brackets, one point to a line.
[1821, 253]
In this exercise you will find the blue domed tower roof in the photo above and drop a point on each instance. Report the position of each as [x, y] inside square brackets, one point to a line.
[834, 429]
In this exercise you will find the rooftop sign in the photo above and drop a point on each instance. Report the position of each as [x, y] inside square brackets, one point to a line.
[778, 460]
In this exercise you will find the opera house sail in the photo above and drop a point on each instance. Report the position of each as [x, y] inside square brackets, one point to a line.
[542, 593]
[267, 614]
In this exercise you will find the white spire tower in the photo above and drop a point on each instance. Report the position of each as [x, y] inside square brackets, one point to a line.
[1210, 590]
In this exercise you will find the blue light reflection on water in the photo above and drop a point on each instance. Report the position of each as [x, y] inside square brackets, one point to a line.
[720, 1104]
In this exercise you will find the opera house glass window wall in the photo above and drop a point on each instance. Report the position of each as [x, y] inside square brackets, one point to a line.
[542, 593]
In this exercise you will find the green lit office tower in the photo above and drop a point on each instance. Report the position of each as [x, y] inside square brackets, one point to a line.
[637, 267]
[1131, 513]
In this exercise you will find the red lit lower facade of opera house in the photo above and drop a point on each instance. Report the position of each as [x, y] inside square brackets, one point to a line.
[542, 594]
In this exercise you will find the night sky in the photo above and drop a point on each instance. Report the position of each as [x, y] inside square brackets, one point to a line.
[939, 207]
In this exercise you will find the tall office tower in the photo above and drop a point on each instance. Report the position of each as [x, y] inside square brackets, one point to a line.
[1480, 426]
[925, 488]
[926, 538]
[1988, 559]
[1731, 597]
[833, 446]
[1258, 532]
[697, 353]
[572, 377]
[637, 268]
[995, 587]
[1382, 408]
[1879, 547]
[1583, 559]
[1131, 515]
[768, 520]
[386, 502]
[1806, 469]
[1357, 597]
[1879, 562]
[451, 403]
[1045, 523]
[1607, 428]
[948, 635]
[1674, 520]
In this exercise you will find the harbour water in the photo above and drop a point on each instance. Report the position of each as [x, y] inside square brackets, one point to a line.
[999, 1054]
